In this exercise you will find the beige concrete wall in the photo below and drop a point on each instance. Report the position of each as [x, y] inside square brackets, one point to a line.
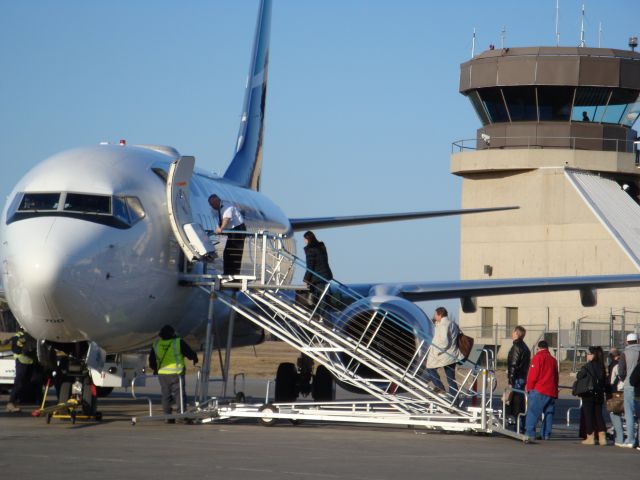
[476, 161]
[554, 233]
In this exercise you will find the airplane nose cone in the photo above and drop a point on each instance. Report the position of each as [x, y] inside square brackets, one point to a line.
[41, 281]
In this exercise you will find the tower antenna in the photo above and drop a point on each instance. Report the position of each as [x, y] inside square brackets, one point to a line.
[600, 35]
[503, 34]
[473, 43]
[582, 44]
[557, 23]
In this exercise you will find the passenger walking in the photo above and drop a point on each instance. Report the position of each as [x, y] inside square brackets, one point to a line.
[518, 362]
[166, 359]
[590, 382]
[628, 360]
[23, 347]
[542, 389]
[230, 218]
[318, 272]
[444, 351]
[615, 388]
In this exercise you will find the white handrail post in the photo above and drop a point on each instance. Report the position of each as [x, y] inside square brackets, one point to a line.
[263, 270]
[483, 413]
[208, 346]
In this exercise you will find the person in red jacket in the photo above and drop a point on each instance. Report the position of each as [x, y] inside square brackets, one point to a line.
[542, 390]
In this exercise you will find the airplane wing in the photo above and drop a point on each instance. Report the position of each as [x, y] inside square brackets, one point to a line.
[468, 290]
[316, 223]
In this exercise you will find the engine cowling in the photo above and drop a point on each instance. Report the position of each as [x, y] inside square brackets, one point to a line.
[389, 326]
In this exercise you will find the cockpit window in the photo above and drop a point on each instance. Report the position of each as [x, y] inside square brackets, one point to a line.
[38, 202]
[83, 203]
[128, 209]
[118, 211]
[136, 212]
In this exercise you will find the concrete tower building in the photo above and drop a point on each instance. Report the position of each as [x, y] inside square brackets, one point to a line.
[557, 140]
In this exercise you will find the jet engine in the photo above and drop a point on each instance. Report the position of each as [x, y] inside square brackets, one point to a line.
[389, 326]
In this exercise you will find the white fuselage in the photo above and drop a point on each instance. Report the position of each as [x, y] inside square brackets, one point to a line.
[73, 276]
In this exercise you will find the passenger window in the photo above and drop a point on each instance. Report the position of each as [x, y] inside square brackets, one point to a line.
[36, 202]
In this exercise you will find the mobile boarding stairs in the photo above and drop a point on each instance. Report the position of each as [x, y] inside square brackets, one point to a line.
[375, 352]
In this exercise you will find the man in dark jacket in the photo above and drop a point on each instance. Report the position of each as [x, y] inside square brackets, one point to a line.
[24, 347]
[517, 368]
[318, 272]
[628, 360]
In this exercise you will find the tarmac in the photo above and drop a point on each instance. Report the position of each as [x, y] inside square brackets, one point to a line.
[114, 448]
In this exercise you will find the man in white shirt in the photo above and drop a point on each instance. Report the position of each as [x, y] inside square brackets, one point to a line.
[230, 218]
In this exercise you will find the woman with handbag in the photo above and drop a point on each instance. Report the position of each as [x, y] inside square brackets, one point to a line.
[615, 395]
[590, 387]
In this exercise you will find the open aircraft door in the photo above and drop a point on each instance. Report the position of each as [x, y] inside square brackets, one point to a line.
[190, 235]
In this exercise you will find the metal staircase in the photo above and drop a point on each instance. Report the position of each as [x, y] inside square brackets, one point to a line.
[374, 351]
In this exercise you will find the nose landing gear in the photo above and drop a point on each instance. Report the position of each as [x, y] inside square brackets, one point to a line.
[77, 396]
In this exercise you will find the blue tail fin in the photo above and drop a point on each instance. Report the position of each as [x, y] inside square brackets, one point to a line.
[247, 162]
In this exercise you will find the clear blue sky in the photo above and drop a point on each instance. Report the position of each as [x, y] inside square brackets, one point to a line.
[362, 107]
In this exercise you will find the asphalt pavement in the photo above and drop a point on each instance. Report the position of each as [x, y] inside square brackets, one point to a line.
[114, 448]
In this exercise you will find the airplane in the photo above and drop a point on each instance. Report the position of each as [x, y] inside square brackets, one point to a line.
[90, 251]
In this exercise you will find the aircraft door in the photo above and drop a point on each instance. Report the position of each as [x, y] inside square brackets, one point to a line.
[189, 234]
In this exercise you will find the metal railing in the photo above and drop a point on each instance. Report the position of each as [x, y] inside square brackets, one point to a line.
[148, 399]
[367, 346]
[541, 142]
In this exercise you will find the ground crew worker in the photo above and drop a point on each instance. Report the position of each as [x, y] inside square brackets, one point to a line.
[166, 359]
[23, 347]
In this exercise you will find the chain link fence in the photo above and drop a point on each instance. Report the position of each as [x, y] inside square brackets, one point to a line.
[566, 344]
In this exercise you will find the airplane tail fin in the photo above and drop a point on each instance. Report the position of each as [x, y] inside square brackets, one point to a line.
[247, 161]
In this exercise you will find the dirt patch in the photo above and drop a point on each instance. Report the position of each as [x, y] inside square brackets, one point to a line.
[260, 361]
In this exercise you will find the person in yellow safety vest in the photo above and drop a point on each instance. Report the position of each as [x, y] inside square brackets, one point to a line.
[166, 359]
[23, 346]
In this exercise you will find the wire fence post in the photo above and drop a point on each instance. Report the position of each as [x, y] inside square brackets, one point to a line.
[495, 340]
[558, 345]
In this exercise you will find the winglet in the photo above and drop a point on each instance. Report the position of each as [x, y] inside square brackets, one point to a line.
[246, 164]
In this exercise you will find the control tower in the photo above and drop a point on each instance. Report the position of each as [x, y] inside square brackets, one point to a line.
[557, 140]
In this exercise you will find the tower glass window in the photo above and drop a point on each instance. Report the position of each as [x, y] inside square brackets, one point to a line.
[590, 104]
[494, 104]
[554, 103]
[631, 113]
[521, 102]
[620, 100]
[479, 107]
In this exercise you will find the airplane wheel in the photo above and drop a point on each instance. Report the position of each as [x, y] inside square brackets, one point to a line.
[322, 388]
[286, 380]
[265, 419]
[65, 391]
[240, 398]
